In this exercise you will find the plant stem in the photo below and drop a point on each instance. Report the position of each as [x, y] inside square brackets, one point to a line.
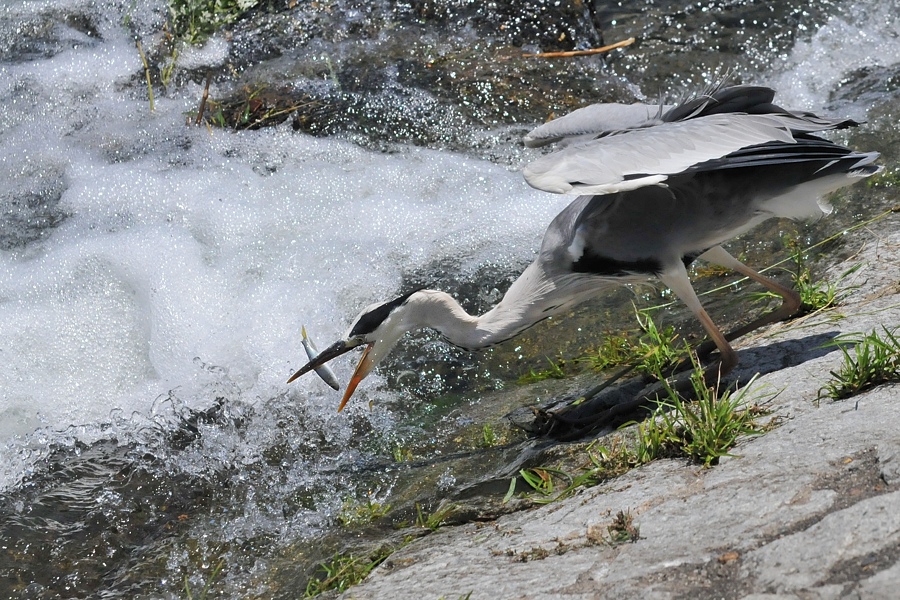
[146, 73]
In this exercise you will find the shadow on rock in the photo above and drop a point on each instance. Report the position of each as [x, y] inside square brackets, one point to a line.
[577, 416]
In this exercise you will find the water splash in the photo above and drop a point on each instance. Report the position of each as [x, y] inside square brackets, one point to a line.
[862, 37]
[154, 278]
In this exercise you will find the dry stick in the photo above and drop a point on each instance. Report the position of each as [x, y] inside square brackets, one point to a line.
[272, 115]
[600, 50]
[203, 99]
[146, 72]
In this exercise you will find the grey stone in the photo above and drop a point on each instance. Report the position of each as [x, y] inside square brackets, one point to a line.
[889, 459]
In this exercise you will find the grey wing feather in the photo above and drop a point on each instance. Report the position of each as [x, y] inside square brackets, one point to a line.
[594, 120]
[647, 155]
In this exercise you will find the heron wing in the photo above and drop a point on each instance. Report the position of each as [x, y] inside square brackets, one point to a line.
[595, 120]
[647, 156]
[821, 156]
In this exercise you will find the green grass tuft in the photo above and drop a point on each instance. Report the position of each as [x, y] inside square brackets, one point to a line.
[873, 360]
[815, 294]
[554, 371]
[704, 429]
[653, 351]
[194, 21]
[436, 519]
[355, 514]
[344, 571]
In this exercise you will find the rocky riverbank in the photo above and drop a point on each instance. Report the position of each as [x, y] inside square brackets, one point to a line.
[810, 509]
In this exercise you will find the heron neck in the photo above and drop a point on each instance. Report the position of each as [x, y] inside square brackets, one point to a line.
[531, 299]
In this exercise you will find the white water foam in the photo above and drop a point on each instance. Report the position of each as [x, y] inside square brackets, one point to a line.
[864, 35]
[185, 257]
[181, 248]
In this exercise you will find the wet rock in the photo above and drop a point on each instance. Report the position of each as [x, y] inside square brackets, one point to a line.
[682, 44]
[426, 73]
[24, 38]
[429, 72]
[30, 209]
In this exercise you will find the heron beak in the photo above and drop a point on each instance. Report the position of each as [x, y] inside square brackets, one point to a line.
[332, 351]
[365, 366]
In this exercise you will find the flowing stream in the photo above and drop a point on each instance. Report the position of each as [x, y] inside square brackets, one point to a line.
[154, 276]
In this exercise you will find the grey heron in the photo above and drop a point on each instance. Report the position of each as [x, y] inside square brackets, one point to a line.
[657, 187]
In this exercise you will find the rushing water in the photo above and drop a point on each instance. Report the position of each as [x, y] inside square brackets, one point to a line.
[154, 278]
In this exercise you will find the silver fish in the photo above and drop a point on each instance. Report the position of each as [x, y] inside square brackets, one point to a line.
[324, 371]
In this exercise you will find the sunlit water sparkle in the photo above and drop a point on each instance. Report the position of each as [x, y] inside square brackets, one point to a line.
[148, 267]
[179, 246]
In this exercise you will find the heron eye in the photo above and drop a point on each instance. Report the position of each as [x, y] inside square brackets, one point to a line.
[370, 321]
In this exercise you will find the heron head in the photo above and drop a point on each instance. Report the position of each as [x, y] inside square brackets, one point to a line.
[378, 327]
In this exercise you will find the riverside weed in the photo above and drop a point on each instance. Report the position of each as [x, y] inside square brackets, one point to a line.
[873, 360]
[344, 571]
[704, 429]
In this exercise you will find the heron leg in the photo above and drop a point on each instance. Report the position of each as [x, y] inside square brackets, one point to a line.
[790, 300]
[575, 421]
[676, 279]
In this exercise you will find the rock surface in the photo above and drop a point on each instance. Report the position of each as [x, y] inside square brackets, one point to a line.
[809, 510]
